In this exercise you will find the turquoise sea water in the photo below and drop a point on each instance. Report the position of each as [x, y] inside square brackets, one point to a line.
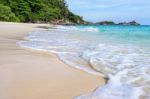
[139, 35]
[120, 53]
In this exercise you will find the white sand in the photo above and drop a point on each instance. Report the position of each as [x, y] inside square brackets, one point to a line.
[26, 74]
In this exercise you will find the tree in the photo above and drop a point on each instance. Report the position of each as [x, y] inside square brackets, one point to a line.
[38, 11]
[6, 14]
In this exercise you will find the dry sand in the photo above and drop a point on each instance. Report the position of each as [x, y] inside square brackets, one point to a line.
[27, 74]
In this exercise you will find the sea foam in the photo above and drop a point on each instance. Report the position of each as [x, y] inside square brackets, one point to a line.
[127, 66]
[85, 29]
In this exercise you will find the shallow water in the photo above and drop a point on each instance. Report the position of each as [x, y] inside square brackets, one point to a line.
[120, 53]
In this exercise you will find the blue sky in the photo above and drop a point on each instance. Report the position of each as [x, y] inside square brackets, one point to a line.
[115, 10]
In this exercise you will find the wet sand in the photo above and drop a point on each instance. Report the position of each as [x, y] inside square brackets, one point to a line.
[26, 74]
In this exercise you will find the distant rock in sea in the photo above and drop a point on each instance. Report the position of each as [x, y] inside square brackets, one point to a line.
[105, 23]
[112, 23]
[129, 23]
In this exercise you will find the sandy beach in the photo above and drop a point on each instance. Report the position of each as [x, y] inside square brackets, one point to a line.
[26, 74]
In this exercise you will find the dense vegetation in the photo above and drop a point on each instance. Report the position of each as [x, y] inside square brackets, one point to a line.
[106, 23]
[54, 11]
[113, 23]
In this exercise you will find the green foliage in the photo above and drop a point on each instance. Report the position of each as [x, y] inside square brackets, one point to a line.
[74, 18]
[36, 11]
[6, 14]
[106, 23]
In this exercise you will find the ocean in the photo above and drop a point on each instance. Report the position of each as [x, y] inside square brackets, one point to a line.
[121, 54]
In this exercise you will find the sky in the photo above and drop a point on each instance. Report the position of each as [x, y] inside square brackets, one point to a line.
[113, 10]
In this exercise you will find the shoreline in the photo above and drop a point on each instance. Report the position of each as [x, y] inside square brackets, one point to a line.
[35, 75]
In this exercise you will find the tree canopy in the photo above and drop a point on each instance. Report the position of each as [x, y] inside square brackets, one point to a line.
[37, 11]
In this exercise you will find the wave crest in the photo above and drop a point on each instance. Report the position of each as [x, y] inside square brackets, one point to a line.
[75, 28]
